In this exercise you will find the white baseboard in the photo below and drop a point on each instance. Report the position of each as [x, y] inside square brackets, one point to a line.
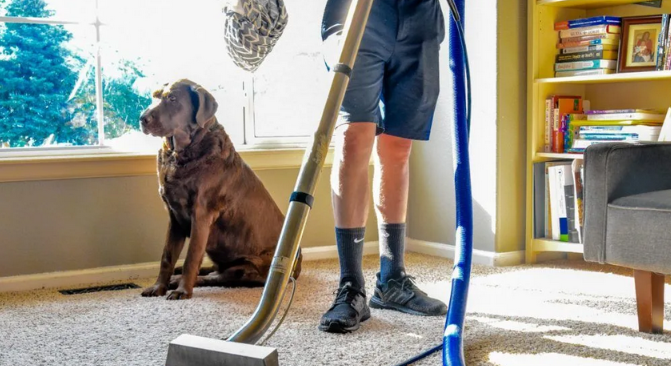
[482, 257]
[130, 272]
[88, 277]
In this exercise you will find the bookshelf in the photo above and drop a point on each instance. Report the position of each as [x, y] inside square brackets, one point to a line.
[614, 91]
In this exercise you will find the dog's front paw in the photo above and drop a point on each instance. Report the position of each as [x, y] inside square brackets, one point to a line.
[180, 294]
[158, 289]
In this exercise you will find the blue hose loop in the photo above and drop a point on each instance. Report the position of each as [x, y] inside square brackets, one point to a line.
[453, 352]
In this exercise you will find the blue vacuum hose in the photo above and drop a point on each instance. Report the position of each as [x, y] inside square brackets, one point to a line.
[452, 346]
[453, 349]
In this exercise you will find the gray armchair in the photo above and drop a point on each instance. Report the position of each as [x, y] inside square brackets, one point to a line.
[627, 202]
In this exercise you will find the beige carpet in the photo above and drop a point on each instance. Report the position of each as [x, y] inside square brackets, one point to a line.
[566, 313]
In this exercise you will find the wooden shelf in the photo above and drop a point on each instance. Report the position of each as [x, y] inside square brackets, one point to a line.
[547, 245]
[612, 78]
[584, 4]
[545, 155]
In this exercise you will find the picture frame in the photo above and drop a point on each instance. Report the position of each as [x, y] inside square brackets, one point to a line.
[638, 43]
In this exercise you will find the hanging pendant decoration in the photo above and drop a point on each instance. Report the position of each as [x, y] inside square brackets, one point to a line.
[252, 28]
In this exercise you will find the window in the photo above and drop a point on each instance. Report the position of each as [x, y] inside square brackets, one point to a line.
[291, 87]
[76, 74]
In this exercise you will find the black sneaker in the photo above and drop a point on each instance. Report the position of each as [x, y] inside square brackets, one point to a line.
[402, 294]
[349, 309]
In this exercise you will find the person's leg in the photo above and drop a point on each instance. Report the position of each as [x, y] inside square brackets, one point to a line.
[390, 185]
[410, 92]
[351, 196]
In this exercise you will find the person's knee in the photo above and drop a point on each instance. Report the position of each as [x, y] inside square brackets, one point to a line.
[395, 150]
[354, 141]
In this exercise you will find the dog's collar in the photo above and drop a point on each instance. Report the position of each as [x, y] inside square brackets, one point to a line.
[171, 143]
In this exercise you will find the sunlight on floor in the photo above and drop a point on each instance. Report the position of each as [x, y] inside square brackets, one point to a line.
[517, 326]
[548, 359]
[620, 343]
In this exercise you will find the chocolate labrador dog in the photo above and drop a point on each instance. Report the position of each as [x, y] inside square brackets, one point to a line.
[211, 195]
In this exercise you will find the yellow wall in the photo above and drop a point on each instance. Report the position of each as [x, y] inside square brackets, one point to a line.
[87, 223]
[511, 125]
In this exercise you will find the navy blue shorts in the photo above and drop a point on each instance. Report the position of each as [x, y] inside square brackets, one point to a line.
[395, 80]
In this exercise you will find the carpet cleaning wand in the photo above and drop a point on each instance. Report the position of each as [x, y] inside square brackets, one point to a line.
[308, 177]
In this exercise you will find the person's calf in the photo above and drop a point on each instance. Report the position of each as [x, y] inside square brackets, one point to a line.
[392, 250]
[349, 174]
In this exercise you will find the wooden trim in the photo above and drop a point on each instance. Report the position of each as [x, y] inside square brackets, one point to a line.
[104, 165]
[650, 301]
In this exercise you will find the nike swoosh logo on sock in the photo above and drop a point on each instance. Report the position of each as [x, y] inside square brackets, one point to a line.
[358, 240]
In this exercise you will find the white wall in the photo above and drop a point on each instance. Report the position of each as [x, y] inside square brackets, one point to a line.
[432, 204]
[496, 40]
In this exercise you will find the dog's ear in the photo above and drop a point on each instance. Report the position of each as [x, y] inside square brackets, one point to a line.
[205, 106]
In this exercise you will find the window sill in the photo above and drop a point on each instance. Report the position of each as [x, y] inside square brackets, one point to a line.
[105, 165]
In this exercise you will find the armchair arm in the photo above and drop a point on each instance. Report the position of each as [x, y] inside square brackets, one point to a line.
[614, 170]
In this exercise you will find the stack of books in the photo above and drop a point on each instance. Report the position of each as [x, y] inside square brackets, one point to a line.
[599, 126]
[558, 200]
[557, 107]
[587, 46]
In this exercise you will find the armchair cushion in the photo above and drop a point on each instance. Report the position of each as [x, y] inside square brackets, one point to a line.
[659, 200]
[638, 233]
[627, 205]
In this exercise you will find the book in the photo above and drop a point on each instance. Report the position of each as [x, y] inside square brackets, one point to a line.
[661, 41]
[594, 47]
[589, 42]
[585, 56]
[577, 167]
[557, 209]
[616, 123]
[665, 131]
[562, 199]
[540, 201]
[586, 65]
[612, 111]
[582, 144]
[586, 31]
[549, 114]
[592, 37]
[639, 129]
[667, 44]
[584, 72]
[619, 133]
[608, 136]
[569, 200]
[636, 116]
[583, 22]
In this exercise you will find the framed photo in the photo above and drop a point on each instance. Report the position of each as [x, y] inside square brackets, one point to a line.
[638, 45]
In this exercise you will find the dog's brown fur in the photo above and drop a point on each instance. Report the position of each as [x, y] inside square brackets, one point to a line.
[211, 195]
